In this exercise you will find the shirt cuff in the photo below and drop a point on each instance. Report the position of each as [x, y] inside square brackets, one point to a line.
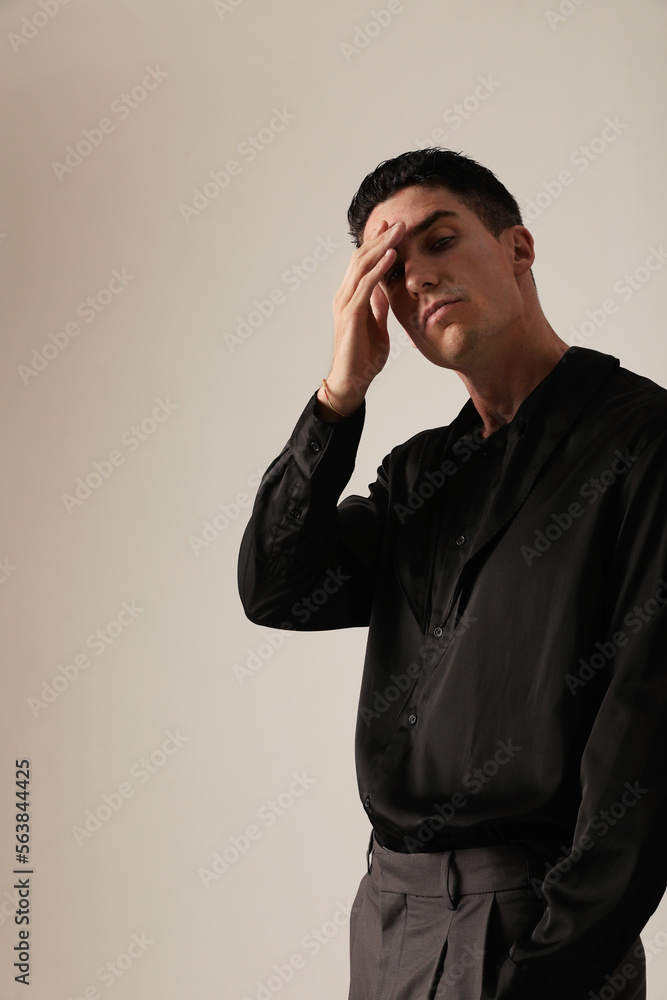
[312, 438]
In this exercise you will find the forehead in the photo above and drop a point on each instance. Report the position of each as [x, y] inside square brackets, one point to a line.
[412, 204]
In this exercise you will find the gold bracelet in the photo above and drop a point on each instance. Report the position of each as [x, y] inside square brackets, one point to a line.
[324, 383]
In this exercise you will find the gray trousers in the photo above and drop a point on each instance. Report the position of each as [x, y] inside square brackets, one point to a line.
[439, 926]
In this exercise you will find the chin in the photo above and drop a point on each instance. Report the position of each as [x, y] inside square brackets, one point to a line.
[457, 348]
[453, 340]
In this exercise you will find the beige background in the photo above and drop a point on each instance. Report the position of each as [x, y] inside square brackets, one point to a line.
[218, 73]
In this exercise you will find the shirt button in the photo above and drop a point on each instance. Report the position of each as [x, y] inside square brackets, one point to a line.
[367, 802]
[295, 513]
[437, 631]
[412, 719]
[313, 445]
[461, 540]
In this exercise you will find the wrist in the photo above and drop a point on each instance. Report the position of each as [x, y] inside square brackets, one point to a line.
[341, 398]
[323, 408]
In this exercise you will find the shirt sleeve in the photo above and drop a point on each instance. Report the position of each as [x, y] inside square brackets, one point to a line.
[306, 562]
[601, 895]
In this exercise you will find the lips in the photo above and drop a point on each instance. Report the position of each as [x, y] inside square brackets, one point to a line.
[434, 307]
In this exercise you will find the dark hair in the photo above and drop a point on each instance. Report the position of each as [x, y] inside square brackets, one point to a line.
[474, 185]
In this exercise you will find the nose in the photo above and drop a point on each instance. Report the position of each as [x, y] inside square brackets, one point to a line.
[420, 273]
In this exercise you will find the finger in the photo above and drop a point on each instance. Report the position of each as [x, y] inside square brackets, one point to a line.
[378, 229]
[361, 296]
[365, 259]
[384, 230]
[380, 306]
[371, 251]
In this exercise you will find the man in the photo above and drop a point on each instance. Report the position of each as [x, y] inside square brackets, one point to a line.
[511, 567]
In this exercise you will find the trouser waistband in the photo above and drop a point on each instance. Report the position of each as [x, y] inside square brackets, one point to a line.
[453, 874]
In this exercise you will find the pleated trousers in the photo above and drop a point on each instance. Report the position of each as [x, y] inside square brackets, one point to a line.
[438, 926]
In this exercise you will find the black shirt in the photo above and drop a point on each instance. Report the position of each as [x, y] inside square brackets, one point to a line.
[462, 507]
[514, 688]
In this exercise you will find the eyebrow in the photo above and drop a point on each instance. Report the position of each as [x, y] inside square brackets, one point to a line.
[421, 227]
[426, 223]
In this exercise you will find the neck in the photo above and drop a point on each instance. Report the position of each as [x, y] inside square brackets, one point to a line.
[499, 382]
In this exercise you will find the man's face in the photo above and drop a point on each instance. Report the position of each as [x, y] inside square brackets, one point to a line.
[452, 256]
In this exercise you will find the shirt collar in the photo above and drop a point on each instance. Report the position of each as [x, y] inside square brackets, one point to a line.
[564, 389]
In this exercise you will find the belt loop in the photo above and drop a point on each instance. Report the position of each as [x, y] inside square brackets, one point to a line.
[368, 852]
[448, 864]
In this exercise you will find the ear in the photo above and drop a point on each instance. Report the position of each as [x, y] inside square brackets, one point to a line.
[523, 249]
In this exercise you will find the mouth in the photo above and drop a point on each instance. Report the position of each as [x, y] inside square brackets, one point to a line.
[437, 310]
